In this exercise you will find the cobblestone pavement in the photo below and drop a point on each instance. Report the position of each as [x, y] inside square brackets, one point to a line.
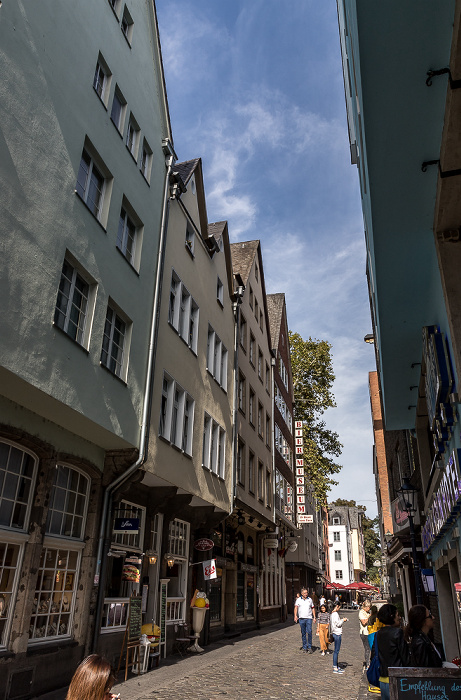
[263, 665]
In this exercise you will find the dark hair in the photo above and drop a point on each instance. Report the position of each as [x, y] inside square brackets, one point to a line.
[416, 618]
[373, 616]
[92, 679]
[387, 614]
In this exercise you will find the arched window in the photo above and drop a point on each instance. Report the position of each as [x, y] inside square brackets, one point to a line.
[18, 469]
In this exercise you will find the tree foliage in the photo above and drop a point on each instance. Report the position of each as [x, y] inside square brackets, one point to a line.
[312, 381]
[371, 541]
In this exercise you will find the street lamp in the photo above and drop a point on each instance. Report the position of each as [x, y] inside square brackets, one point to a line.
[409, 505]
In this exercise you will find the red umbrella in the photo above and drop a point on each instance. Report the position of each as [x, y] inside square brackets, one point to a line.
[360, 586]
[334, 586]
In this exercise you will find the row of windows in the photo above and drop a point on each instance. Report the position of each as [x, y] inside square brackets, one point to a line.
[252, 353]
[94, 185]
[283, 408]
[176, 415]
[102, 83]
[217, 357]
[283, 373]
[255, 417]
[126, 21]
[260, 488]
[259, 316]
[282, 446]
[183, 313]
[282, 492]
[74, 309]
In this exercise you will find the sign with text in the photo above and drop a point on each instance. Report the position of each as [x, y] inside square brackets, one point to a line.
[209, 569]
[162, 616]
[424, 684]
[134, 618]
[444, 502]
[123, 525]
[203, 544]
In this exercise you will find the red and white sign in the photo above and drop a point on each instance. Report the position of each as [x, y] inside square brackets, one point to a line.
[302, 518]
[299, 450]
[300, 499]
[298, 433]
[309, 518]
[300, 481]
[209, 569]
[299, 471]
[299, 462]
[300, 490]
[204, 544]
[298, 424]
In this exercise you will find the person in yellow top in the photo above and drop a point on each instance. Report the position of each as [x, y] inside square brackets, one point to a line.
[373, 625]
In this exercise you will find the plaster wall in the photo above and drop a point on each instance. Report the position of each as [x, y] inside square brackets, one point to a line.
[199, 275]
[48, 107]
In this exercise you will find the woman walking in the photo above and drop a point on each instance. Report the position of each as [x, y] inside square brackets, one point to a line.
[423, 652]
[364, 616]
[392, 647]
[336, 631]
[323, 626]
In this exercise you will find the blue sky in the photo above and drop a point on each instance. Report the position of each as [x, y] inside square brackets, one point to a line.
[255, 89]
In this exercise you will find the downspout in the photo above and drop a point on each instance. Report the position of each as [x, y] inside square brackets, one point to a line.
[103, 540]
[238, 298]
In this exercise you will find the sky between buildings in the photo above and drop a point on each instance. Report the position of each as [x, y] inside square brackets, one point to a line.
[255, 89]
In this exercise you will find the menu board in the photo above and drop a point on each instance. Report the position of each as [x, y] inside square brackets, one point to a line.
[424, 683]
[134, 619]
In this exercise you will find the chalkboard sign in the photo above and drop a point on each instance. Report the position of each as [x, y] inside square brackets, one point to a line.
[134, 619]
[424, 683]
[163, 596]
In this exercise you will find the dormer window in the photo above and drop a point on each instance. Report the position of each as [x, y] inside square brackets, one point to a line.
[336, 521]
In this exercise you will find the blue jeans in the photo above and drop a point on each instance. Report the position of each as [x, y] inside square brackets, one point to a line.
[337, 638]
[306, 626]
[384, 690]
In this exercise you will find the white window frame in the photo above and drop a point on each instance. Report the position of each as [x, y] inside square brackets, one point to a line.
[130, 227]
[133, 134]
[101, 80]
[338, 574]
[338, 556]
[75, 511]
[177, 415]
[121, 344]
[220, 291]
[81, 299]
[16, 501]
[214, 446]
[183, 313]
[178, 545]
[216, 358]
[145, 164]
[118, 121]
[336, 536]
[127, 25]
[93, 176]
[115, 5]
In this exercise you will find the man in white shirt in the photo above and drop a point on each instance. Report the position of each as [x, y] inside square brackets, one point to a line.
[305, 613]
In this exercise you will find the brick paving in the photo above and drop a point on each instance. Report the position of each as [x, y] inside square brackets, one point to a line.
[264, 665]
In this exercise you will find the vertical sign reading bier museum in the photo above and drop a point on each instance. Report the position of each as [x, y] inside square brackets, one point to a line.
[299, 474]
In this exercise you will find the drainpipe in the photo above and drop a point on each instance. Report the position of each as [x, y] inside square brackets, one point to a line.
[104, 535]
[238, 298]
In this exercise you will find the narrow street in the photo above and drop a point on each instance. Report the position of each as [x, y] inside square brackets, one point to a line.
[268, 664]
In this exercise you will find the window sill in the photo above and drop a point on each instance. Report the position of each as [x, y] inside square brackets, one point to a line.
[49, 647]
[75, 342]
[126, 39]
[190, 251]
[123, 381]
[88, 208]
[100, 98]
[127, 261]
[134, 157]
[145, 178]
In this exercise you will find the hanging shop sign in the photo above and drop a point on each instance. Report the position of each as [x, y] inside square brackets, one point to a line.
[126, 525]
[203, 544]
[445, 503]
[271, 543]
[300, 476]
[209, 569]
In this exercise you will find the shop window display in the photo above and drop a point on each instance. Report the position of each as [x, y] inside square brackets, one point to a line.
[9, 557]
[54, 594]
